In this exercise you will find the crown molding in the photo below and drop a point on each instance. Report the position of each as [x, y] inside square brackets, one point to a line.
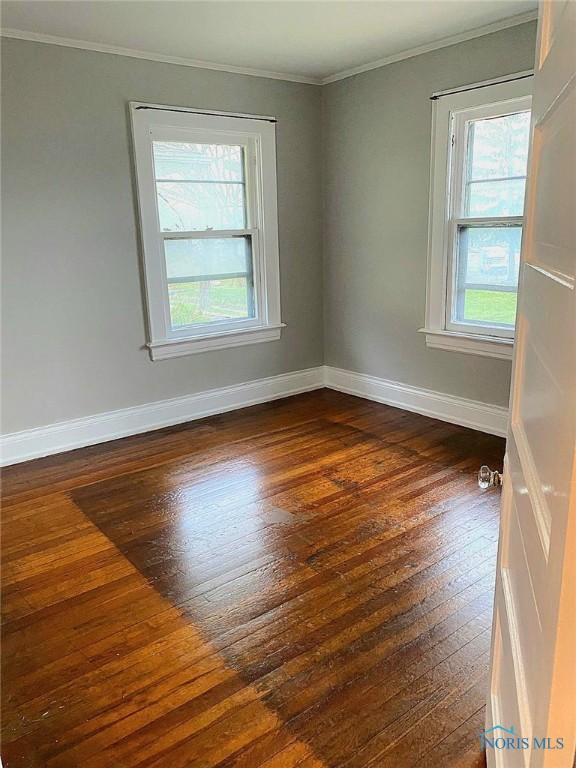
[67, 42]
[38, 37]
[496, 26]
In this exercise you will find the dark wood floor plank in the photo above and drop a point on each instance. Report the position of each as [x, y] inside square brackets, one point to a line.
[305, 583]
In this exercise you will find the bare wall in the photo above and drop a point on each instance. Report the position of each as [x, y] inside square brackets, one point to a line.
[376, 182]
[73, 318]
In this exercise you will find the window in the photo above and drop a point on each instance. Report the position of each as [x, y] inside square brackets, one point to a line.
[479, 165]
[208, 212]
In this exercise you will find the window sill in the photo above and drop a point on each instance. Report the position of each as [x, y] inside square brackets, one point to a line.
[162, 350]
[487, 346]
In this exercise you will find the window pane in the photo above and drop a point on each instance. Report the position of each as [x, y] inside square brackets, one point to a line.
[499, 147]
[495, 198]
[207, 301]
[487, 275]
[497, 157]
[200, 205]
[208, 256]
[209, 280]
[199, 186]
[183, 161]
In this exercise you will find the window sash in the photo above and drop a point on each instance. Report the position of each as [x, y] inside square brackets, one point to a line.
[458, 165]
[454, 285]
[456, 291]
[198, 136]
[252, 274]
[488, 113]
[255, 275]
[253, 220]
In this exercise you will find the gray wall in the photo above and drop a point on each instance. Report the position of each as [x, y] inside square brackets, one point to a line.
[73, 318]
[376, 184]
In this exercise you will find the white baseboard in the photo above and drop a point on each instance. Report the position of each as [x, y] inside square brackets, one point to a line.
[457, 410]
[77, 433]
[102, 427]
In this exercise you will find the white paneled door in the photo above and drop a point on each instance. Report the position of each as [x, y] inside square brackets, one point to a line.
[531, 721]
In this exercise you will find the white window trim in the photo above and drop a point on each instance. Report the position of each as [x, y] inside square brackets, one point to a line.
[258, 136]
[445, 111]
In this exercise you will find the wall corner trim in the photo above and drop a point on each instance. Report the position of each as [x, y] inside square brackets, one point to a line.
[438, 405]
[34, 443]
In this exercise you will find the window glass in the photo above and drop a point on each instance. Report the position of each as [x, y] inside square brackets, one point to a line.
[487, 275]
[209, 280]
[497, 157]
[199, 186]
[202, 187]
[488, 257]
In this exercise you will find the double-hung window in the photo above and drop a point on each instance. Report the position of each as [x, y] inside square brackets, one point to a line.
[479, 166]
[208, 213]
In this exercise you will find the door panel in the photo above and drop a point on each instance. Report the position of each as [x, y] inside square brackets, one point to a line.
[557, 190]
[504, 680]
[551, 325]
[526, 609]
[511, 703]
[541, 429]
[535, 543]
[533, 675]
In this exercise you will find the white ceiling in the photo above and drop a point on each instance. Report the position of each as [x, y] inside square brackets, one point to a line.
[307, 40]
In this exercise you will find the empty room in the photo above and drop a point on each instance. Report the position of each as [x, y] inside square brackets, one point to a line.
[288, 434]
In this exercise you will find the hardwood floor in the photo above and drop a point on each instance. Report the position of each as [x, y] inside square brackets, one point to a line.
[305, 583]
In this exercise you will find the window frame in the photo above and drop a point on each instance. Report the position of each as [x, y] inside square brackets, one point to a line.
[257, 136]
[451, 114]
